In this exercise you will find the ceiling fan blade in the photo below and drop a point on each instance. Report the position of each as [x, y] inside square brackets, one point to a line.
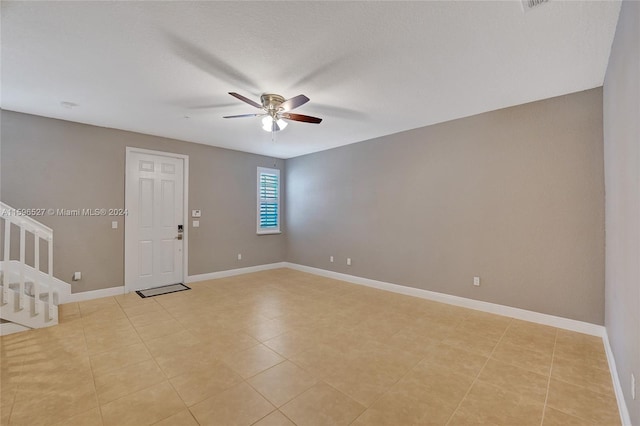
[243, 115]
[207, 61]
[244, 99]
[294, 102]
[300, 117]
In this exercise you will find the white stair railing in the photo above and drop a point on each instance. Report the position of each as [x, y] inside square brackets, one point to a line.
[21, 275]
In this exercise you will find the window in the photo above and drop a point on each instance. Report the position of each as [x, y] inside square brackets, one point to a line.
[268, 201]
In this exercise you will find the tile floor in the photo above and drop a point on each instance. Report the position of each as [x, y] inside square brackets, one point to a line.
[283, 347]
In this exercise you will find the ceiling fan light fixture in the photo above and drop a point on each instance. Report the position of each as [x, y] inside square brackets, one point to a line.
[281, 123]
[267, 124]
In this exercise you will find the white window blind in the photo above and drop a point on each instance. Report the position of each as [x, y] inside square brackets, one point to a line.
[268, 200]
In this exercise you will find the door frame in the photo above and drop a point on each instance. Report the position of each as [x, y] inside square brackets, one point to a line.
[185, 210]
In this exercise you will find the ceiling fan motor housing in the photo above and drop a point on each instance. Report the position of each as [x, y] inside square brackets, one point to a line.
[271, 101]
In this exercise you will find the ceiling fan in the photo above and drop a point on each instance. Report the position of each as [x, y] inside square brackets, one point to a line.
[275, 110]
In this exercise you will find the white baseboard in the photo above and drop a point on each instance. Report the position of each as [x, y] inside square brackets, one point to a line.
[10, 328]
[522, 314]
[617, 386]
[95, 294]
[232, 272]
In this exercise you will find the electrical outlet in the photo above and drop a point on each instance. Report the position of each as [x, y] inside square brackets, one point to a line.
[476, 281]
[239, 256]
[331, 259]
[348, 261]
[77, 276]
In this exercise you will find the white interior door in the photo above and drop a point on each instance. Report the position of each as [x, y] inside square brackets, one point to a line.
[154, 237]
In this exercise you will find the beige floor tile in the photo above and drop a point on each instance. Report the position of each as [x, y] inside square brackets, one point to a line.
[63, 379]
[143, 306]
[60, 347]
[103, 318]
[378, 356]
[239, 405]
[583, 403]
[456, 359]
[183, 418]
[427, 394]
[252, 361]
[276, 418]
[176, 342]
[380, 328]
[143, 309]
[88, 418]
[115, 384]
[224, 343]
[151, 318]
[485, 325]
[94, 325]
[282, 382]
[132, 299]
[91, 306]
[205, 382]
[320, 360]
[48, 359]
[558, 418]
[472, 342]
[535, 337]
[571, 345]
[118, 358]
[516, 380]
[582, 373]
[532, 360]
[5, 412]
[364, 384]
[38, 408]
[159, 329]
[267, 329]
[104, 342]
[418, 341]
[487, 404]
[410, 361]
[322, 405]
[144, 407]
[446, 386]
[68, 311]
[191, 359]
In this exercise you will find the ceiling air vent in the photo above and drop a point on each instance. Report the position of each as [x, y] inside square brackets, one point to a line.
[527, 5]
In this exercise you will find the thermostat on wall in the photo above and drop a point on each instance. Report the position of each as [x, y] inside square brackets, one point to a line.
[196, 213]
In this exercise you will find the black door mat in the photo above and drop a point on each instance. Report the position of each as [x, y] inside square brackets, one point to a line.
[165, 289]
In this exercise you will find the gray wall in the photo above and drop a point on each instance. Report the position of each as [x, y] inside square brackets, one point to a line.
[622, 183]
[515, 196]
[60, 164]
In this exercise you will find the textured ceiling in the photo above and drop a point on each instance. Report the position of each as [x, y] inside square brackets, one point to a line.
[370, 68]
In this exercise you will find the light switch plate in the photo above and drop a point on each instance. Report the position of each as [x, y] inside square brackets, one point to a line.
[114, 224]
[196, 224]
[196, 213]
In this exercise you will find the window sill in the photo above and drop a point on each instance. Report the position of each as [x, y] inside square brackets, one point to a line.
[269, 232]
